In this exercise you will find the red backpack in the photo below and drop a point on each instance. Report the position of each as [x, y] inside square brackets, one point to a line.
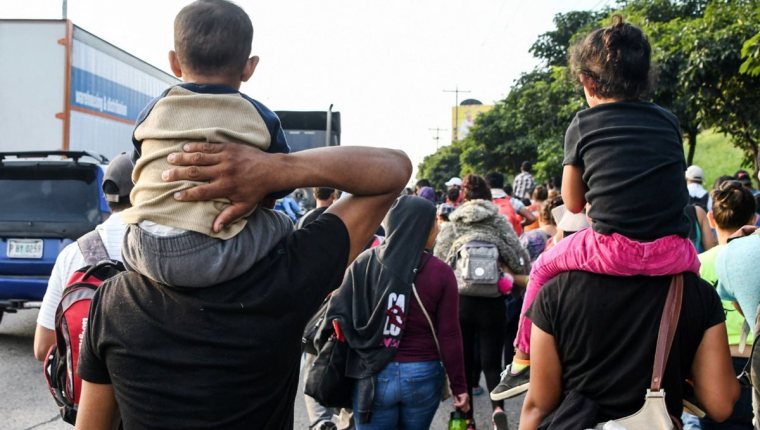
[506, 209]
[71, 320]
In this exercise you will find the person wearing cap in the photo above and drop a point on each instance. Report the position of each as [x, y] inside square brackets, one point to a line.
[117, 184]
[454, 182]
[698, 195]
[454, 195]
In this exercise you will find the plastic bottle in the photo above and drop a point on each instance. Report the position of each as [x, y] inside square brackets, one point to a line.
[457, 420]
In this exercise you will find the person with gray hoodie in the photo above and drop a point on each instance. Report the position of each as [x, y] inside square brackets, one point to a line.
[483, 315]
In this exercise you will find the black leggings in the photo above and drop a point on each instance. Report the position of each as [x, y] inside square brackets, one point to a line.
[485, 319]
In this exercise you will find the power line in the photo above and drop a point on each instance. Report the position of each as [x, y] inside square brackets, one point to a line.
[437, 137]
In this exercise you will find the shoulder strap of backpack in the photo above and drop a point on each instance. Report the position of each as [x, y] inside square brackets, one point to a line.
[747, 373]
[92, 247]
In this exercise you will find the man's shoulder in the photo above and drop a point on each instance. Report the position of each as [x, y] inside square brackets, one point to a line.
[325, 237]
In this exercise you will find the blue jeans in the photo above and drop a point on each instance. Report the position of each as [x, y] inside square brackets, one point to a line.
[406, 396]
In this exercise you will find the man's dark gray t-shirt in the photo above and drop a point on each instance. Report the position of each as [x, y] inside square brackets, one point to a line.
[632, 158]
[225, 356]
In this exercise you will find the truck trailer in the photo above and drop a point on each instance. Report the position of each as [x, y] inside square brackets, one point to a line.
[66, 89]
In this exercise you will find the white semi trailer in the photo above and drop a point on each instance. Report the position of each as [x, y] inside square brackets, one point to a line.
[62, 88]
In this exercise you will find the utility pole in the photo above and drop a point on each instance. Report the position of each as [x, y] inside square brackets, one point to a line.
[456, 92]
[437, 137]
[64, 9]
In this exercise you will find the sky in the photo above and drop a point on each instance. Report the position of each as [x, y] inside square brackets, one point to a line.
[384, 65]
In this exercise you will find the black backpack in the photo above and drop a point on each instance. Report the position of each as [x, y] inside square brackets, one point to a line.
[71, 321]
[313, 327]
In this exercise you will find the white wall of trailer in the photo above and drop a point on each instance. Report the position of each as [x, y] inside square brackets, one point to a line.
[109, 88]
[32, 73]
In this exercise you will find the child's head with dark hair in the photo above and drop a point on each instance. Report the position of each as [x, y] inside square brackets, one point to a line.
[495, 180]
[475, 187]
[733, 205]
[613, 62]
[212, 38]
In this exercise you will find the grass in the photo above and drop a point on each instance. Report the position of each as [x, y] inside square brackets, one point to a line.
[716, 156]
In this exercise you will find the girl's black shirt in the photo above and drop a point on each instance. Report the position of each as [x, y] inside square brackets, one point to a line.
[633, 164]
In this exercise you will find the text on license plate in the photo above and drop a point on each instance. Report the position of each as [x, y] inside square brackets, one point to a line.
[24, 248]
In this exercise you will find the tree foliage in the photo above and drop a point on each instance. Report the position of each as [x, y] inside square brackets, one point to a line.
[552, 45]
[440, 166]
[751, 56]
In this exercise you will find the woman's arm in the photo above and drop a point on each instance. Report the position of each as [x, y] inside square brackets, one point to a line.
[715, 383]
[573, 188]
[545, 380]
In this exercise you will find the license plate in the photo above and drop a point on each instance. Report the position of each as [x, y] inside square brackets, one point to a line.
[24, 248]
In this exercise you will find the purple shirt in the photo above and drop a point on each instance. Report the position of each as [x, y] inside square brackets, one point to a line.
[438, 291]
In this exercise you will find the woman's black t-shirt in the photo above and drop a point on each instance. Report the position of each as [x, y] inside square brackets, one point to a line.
[605, 329]
[632, 156]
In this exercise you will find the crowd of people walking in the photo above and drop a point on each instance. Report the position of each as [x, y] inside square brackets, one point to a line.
[588, 296]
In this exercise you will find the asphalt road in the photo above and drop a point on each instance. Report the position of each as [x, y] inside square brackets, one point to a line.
[26, 404]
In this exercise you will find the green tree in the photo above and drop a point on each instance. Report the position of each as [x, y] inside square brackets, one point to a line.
[751, 56]
[440, 166]
[552, 46]
[731, 100]
[529, 124]
[696, 49]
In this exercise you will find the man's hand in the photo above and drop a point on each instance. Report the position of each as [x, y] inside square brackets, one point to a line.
[462, 402]
[225, 166]
[245, 175]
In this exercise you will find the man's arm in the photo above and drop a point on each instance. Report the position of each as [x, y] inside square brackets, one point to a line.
[97, 407]
[44, 338]
[374, 177]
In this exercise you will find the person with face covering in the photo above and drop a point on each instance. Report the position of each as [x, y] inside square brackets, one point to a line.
[393, 353]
